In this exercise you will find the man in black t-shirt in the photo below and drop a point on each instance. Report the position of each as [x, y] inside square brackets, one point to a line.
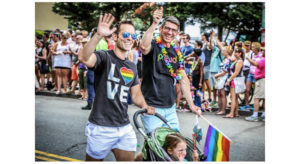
[108, 128]
[162, 67]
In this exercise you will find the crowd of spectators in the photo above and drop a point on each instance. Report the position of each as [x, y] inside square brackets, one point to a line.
[213, 67]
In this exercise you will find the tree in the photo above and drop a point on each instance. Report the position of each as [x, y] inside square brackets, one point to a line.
[85, 15]
[243, 18]
[80, 15]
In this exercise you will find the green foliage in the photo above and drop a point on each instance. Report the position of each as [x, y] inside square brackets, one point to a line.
[39, 34]
[244, 18]
[81, 15]
[85, 15]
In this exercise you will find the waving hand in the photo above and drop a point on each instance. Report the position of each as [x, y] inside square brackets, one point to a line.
[104, 25]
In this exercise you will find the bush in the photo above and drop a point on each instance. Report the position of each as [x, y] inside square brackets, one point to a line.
[39, 34]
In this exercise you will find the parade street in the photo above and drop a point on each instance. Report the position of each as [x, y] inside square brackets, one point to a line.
[60, 131]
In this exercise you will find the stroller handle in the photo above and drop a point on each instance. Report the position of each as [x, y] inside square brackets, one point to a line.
[138, 126]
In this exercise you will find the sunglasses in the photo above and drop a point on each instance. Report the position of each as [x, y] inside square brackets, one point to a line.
[127, 34]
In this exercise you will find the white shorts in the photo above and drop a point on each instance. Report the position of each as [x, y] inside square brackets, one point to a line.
[102, 139]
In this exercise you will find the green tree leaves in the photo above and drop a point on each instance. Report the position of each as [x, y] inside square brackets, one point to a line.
[244, 18]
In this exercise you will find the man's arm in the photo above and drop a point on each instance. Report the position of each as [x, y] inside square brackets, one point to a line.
[251, 61]
[217, 41]
[186, 90]
[86, 55]
[139, 100]
[148, 36]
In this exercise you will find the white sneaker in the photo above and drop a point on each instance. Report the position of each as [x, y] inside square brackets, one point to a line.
[251, 118]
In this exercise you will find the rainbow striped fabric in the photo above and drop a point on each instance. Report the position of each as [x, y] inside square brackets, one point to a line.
[229, 48]
[216, 146]
[244, 49]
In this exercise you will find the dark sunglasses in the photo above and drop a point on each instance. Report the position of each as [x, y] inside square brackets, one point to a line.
[127, 34]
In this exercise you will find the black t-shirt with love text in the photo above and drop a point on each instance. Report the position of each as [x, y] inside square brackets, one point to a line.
[113, 79]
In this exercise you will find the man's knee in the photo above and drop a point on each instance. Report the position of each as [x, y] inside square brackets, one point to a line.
[139, 157]
[89, 158]
[122, 155]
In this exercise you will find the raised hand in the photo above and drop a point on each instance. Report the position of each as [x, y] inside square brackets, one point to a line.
[104, 25]
[158, 14]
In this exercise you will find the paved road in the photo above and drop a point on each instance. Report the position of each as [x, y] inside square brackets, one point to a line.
[60, 124]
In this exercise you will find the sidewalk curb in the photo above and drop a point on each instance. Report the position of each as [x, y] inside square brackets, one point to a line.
[49, 93]
[241, 112]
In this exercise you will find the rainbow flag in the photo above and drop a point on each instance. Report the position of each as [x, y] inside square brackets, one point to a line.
[244, 49]
[216, 146]
[199, 93]
[229, 48]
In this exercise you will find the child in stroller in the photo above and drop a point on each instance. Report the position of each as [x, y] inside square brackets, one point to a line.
[175, 145]
[156, 148]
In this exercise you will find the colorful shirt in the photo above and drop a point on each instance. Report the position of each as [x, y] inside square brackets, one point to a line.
[225, 65]
[252, 67]
[102, 45]
[260, 69]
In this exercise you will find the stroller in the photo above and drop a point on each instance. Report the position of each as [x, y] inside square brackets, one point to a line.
[152, 149]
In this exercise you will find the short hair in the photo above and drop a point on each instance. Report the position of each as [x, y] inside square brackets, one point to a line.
[172, 140]
[66, 34]
[118, 25]
[57, 35]
[94, 29]
[256, 45]
[239, 44]
[84, 32]
[46, 34]
[171, 19]
[187, 36]
[247, 42]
